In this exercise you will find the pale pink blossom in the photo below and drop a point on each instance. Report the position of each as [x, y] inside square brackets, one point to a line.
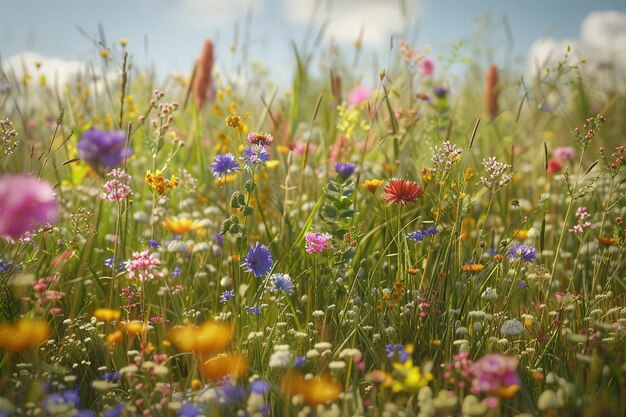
[25, 203]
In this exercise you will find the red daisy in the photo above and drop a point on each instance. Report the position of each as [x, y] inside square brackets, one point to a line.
[400, 191]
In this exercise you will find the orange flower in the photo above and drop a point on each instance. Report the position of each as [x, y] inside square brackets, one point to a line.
[401, 191]
[180, 225]
[427, 174]
[217, 367]
[106, 314]
[372, 185]
[24, 334]
[211, 337]
[472, 268]
[385, 379]
[608, 241]
[314, 391]
[114, 338]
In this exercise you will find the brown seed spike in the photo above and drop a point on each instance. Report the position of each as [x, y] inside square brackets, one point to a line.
[202, 81]
[492, 90]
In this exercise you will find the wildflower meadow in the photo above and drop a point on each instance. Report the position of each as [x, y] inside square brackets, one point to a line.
[407, 240]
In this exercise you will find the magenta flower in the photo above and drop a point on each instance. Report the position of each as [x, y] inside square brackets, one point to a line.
[140, 267]
[496, 374]
[565, 153]
[427, 67]
[317, 242]
[25, 203]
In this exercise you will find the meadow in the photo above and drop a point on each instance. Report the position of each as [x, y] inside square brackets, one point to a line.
[405, 242]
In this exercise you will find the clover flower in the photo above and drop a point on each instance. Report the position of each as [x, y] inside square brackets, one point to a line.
[317, 242]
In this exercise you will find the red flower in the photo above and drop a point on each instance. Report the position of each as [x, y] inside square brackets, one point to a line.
[554, 165]
[399, 191]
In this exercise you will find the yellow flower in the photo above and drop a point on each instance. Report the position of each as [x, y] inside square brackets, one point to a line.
[411, 378]
[233, 120]
[133, 327]
[158, 182]
[24, 334]
[106, 314]
[468, 174]
[372, 185]
[211, 337]
[180, 225]
[608, 241]
[104, 53]
[520, 234]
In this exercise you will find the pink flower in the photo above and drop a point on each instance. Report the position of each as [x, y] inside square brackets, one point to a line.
[496, 373]
[359, 95]
[317, 242]
[141, 265]
[25, 203]
[565, 153]
[427, 67]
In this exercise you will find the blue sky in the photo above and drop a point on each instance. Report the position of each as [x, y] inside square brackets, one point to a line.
[169, 33]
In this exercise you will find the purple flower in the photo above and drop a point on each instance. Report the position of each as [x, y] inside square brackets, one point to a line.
[258, 260]
[419, 235]
[25, 203]
[103, 148]
[440, 92]
[153, 243]
[189, 410]
[393, 350]
[224, 164]
[255, 156]
[226, 296]
[344, 170]
[255, 310]
[114, 411]
[522, 252]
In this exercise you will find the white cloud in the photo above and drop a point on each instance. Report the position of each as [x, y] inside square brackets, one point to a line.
[602, 43]
[56, 70]
[210, 14]
[346, 19]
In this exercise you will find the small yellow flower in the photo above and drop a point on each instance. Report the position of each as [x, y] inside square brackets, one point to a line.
[158, 182]
[123, 41]
[372, 185]
[427, 174]
[216, 368]
[180, 225]
[104, 53]
[233, 120]
[468, 174]
[133, 327]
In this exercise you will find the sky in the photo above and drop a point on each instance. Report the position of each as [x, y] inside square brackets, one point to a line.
[168, 34]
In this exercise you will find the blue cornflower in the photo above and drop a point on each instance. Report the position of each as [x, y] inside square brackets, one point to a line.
[109, 262]
[299, 361]
[430, 231]
[153, 244]
[83, 413]
[71, 396]
[522, 252]
[256, 310]
[258, 260]
[224, 164]
[114, 411]
[176, 272]
[344, 170]
[5, 265]
[283, 283]
[227, 296]
[523, 284]
[189, 410]
[255, 156]
[230, 392]
[260, 386]
[398, 349]
[416, 236]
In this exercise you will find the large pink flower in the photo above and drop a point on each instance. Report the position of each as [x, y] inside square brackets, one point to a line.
[25, 203]
[496, 374]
